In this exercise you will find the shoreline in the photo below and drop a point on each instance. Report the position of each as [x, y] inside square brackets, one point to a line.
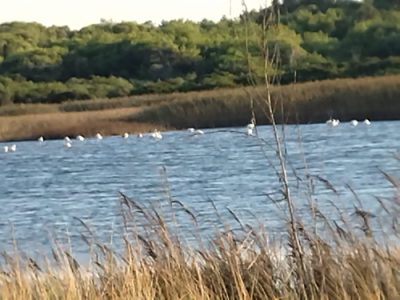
[54, 126]
[143, 125]
[373, 98]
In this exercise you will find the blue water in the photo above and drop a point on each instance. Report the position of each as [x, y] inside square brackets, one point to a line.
[43, 187]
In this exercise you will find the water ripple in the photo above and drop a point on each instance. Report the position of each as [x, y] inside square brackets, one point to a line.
[44, 186]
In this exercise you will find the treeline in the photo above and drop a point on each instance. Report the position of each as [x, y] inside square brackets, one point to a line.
[315, 40]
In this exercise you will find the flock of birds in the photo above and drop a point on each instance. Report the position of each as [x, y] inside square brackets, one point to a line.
[68, 143]
[12, 148]
[157, 135]
[335, 122]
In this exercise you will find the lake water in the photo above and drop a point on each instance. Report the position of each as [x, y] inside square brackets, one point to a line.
[43, 187]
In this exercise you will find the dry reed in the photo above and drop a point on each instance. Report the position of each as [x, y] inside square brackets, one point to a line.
[61, 124]
[245, 264]
[375, 98]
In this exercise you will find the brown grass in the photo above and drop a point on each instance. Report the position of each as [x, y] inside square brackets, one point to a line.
[60, 124]
[235, 264]
[89, 105]
[375, 98]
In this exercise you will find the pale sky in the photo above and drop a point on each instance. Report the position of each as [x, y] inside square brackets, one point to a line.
[79, 13]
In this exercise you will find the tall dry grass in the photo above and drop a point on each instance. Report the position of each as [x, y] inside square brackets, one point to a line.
[375, 98]
[60, 124]
[88, 105]
[356, 96]
[235, 264]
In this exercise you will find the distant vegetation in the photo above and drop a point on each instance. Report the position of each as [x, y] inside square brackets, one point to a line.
[362, 98]
[317, 39]
[375, 98]
[57, 125]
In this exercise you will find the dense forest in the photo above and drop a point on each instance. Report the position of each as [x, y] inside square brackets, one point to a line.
[314, 40]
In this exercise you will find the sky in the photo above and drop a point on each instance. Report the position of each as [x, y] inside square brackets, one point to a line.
[79, 13]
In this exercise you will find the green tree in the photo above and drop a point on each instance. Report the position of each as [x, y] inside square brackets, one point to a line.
[318, 39]
[5, 50]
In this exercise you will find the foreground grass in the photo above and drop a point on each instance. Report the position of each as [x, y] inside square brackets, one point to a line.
[235, 264]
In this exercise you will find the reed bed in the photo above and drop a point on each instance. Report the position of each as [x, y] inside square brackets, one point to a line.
[375, 98]
[360, 93]
[60, 124]
[89, 105]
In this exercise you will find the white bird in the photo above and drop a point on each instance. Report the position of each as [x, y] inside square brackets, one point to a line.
[197, 132]
[67, 139]
[139, 135]
[250, 127]
[157, 135]
[13, 147]
[367, 122]
[190, 129]
[333, 122]
[125, 136]
[5, 148]
[40, 139]
[68, 145]
[80, 138]
[354, 122]
[98, 136]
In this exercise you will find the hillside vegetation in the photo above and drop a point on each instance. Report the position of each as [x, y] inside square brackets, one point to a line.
[317, 39]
